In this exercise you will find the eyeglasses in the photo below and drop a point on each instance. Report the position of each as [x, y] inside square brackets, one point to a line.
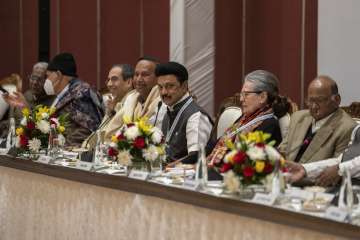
[244, 94]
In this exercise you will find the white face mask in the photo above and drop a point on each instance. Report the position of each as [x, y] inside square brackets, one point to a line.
[48, 87]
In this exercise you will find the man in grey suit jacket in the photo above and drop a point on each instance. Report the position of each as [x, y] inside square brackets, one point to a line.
[323, 131]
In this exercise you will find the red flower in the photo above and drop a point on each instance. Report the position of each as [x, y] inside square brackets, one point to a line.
[260, 145]
[239, 158]
[268, 168]
[139, 142]
[284, 169]
[121, 137]
[225, 167]
[248, 172]
[30, 125]
[112, 152]
[23, 140]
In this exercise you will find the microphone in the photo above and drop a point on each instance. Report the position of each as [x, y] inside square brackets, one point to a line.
[157, 113]
[305, 142]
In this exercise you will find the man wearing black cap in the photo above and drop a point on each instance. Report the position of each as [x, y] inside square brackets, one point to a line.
[73, 97]
[185, 125]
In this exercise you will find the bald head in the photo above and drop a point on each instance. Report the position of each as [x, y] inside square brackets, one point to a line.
[323, 97]
[325, 83]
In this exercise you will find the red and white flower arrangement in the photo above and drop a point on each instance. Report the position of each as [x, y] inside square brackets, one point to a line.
[35, 126]
[137, 141]
[249, 160]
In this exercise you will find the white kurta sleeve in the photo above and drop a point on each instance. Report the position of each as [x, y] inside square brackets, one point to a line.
[314, 169]
[353, 166]
[198, 129]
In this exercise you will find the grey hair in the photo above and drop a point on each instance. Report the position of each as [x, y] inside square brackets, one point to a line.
[127, 70]
[264, 81]
[42, 65]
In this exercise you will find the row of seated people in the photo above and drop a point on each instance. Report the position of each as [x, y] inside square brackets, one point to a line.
[160, 92]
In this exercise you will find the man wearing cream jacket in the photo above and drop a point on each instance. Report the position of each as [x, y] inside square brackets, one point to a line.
[143, 102]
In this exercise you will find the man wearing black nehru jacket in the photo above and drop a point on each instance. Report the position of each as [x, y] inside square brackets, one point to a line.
[186, 126]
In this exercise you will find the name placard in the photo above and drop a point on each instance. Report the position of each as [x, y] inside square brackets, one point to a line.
[44, 159]
[140, 175]
[335, 213]
[264, 199]
[98, 167]
[191, 185]
[86, 166]
[298, 193]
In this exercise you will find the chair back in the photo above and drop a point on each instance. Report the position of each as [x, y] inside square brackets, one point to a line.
[227, 118]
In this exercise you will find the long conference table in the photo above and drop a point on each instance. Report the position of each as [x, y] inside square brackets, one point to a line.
[40, 201]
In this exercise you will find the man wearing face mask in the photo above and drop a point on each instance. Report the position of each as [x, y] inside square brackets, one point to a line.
[186, 125]
[323, 131]
[73, 97]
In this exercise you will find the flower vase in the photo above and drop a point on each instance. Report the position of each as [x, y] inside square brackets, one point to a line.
[245, 192]
[33, 155]
[156, 167]
[141, 165]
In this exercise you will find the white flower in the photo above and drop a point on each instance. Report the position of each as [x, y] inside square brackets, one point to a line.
[44, 115]
[124, 158]
[61, 140]
[43, 126]
[156, 136]
[273, 155]
[231, 182]
[256, 153]
[229, 156]
[113, 145]
[34, 144]
[132, 132]
[151, 153]
[23, 121]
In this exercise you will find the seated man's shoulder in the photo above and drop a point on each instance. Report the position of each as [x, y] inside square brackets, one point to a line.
[80, 89]
[346, 117]
[298, 115]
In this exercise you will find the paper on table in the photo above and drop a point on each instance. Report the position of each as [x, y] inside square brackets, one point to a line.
[179, 171]
[112, 171]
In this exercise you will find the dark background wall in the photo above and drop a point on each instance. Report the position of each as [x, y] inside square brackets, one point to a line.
[99, 33]
[279, 36]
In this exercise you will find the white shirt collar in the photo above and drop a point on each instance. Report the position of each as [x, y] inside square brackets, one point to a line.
[171, 108]
[316, 125]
